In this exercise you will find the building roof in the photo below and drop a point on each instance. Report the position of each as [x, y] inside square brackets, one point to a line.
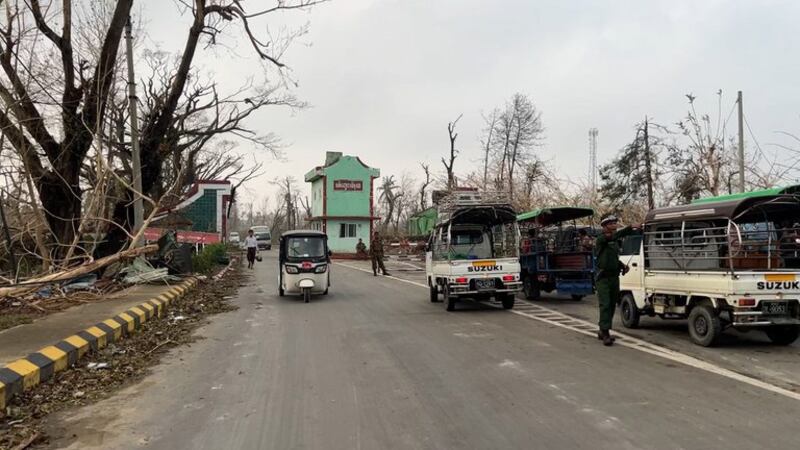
[332, 159]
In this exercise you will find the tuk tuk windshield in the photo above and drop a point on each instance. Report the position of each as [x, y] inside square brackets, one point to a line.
[305, 247]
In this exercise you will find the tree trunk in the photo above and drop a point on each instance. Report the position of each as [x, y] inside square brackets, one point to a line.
[60, 194]
[651, 203]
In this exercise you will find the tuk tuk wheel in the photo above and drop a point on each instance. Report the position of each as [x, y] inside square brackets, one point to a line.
[531, 287]
[280, 287]
[629, 311]
[307, 295]
[577, 297]
[449, 300]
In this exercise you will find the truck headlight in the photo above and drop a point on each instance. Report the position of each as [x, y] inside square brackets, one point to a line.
[292, 269]
[321, 268]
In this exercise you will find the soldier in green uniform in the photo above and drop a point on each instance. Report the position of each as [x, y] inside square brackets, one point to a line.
[609, 268]
[376, 252]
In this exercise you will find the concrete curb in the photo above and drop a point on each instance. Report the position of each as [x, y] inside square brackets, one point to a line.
[23, 374]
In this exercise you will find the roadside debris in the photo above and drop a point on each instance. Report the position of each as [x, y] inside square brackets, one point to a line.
[115, 366]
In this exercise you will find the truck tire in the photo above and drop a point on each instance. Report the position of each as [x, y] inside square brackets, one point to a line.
[629, 312]
[530, 287]
[449, 300]
[784, 334]
[507, 300]
[705, 325]
[434, 291]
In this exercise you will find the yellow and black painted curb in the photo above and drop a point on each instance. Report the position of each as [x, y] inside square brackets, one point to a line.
[23, 374]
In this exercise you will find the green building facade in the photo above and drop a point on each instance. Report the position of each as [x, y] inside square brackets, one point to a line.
[342, 201]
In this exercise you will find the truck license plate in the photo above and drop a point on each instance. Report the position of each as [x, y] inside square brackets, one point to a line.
[776, 308]
[484, 284]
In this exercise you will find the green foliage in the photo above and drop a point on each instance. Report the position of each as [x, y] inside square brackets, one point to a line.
[209, 258]
[633, 175]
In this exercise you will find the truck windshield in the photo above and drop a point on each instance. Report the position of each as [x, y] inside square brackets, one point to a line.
[470, 244]
[305, 247]
[262, 236]
[474, 243]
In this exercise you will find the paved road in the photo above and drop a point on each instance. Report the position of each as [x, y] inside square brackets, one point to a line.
[375, 365]
[750, 353]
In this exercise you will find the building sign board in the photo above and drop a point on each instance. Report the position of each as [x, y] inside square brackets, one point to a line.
[348, 185]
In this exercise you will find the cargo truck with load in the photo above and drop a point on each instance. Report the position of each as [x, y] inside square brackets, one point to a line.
[473, 251]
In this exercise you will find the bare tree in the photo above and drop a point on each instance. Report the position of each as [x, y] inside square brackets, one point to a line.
[52, 149]
[520, 129]
[423, 194]
[389, 197]
[487, 142]
[451, 132]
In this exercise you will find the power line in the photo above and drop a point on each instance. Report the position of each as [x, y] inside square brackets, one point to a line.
[752, 135]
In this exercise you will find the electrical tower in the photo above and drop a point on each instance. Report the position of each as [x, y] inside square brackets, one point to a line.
[593, 159]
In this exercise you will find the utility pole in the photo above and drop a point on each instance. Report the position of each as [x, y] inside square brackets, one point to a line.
[133, 107]
[741, 141]
[593, 159]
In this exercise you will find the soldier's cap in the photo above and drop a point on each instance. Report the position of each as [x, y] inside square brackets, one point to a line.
[609, 219]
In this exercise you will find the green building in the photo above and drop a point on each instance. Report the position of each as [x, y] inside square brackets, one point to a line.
[342, 201]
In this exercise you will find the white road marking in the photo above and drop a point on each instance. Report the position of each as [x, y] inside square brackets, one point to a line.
[558, 319]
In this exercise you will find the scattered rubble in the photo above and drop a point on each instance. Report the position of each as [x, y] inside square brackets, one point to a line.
[116, 366]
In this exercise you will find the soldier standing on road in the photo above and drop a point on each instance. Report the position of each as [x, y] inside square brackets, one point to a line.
[609, 268]
[376, 252]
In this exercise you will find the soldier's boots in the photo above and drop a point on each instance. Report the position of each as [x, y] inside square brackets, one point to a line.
[605, 336]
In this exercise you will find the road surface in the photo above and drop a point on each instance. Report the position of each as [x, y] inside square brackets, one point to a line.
[375, 365]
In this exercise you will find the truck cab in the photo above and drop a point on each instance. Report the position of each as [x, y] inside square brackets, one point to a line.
[473, 252]
[731, 263]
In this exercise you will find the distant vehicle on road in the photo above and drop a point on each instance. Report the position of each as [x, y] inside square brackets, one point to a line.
[473, 250]
[733, 262]
[304, 263]
[263, 237]
[556, 252]
[233, 238]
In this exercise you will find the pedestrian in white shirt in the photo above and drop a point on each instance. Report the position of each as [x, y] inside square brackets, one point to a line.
[251, 244]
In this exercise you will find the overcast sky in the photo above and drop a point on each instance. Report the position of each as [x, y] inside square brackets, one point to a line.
[383, 77]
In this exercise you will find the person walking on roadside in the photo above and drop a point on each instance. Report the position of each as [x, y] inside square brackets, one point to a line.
[609, 268]
[376, 252]
[251, 244]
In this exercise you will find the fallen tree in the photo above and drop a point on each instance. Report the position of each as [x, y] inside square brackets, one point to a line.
[86, 268]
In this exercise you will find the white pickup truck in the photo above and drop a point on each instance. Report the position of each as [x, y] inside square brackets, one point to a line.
[732, 262]
[473, 251]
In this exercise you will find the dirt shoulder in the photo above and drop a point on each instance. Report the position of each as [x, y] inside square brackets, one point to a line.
[100, 374]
